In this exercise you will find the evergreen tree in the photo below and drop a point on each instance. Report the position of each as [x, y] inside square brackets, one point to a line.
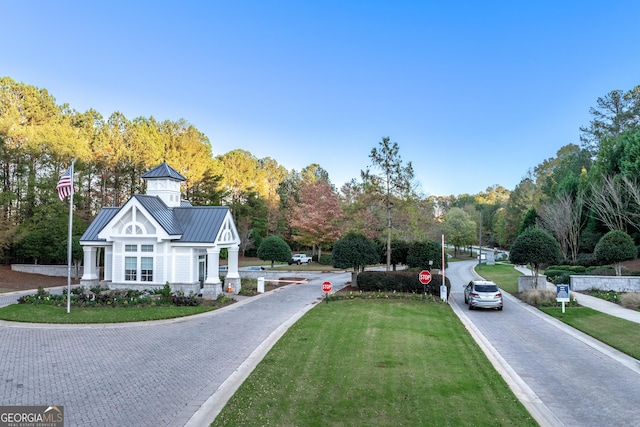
[535, 246]
[273, 248]
[614, 247]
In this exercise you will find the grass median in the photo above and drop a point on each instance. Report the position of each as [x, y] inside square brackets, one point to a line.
[375, 363]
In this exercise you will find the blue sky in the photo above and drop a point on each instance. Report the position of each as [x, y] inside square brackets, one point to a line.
[476, 93]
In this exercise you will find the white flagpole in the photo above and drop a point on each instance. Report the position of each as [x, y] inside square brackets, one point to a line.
[443, 274]
[69, 243]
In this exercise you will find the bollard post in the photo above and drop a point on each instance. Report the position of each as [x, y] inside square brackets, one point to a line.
[261, 285]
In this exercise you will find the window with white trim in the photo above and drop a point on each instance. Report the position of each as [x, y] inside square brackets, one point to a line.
[130, 268]
[146, 269]
[137, 267]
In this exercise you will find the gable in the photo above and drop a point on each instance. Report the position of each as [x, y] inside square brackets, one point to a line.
[148, 216]
[101, 220]
[228, 234]
[133, 220]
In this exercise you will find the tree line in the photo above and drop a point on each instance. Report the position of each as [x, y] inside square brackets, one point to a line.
[586, 190]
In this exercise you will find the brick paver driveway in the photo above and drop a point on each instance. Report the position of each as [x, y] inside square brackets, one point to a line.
[580, 381]
[155, 374]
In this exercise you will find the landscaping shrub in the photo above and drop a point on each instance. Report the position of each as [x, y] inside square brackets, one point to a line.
[587, 260]
[611, 296]
[562, 279]
[399, 281]
[630, 300]
[248, 286]
[559, 274]
[165, 291]
[81, 297]
[601, 270]
[542, 298]
[572, 269]
[325, 259]
[185, 300]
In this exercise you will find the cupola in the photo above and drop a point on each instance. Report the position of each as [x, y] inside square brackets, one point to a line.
[163, 181]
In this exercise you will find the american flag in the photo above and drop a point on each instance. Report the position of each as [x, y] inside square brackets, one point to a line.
[64, 184]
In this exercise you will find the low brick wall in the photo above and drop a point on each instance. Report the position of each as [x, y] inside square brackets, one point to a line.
[48, 270]
[606, 283]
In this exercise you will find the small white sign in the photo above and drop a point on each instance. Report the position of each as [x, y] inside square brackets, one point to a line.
[562, 293]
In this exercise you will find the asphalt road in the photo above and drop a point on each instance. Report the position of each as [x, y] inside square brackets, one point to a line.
[562, 376]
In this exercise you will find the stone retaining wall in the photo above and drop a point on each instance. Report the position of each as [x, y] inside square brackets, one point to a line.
[49, 270]
[606, 283]
[527, 282]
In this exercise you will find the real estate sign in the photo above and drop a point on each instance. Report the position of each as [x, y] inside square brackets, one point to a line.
[562, 293]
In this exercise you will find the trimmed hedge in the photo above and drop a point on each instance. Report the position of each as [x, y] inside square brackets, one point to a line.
[560, 273]
[325, 259]
[399, 281]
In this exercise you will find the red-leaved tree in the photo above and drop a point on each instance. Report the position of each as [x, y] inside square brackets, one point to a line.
[317, 218]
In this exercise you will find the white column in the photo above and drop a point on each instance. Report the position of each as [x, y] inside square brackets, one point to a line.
[213, 265]
[90, 272]
[108, 263]
[233, 262]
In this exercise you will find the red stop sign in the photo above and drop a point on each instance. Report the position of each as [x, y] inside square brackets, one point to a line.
[326, 287]
[425, 277]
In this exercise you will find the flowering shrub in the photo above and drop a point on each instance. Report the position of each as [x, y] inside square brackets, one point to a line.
[611, 296]
[103, 297]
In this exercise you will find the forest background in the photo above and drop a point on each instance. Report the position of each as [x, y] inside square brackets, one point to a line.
[588, 189]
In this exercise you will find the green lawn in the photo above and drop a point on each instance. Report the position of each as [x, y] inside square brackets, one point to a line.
[618, 333]
[40, 313]
[375, 363]
[505, 275]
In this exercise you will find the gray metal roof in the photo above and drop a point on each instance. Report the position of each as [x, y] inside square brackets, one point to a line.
[102, 219]
[200, 223]
[196, 224]
[163, 170]
[161, 213]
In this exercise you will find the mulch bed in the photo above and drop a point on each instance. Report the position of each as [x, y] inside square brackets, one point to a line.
[17, 281]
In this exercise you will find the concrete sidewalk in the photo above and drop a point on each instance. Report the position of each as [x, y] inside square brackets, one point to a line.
[594, 303]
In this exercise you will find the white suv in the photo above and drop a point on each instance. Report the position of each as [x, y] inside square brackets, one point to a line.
[483, 294]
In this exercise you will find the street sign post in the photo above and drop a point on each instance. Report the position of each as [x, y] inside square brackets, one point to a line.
[326, 288]
[425, 278]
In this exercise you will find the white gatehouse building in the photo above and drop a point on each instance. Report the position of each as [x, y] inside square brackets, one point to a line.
[158, 238]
